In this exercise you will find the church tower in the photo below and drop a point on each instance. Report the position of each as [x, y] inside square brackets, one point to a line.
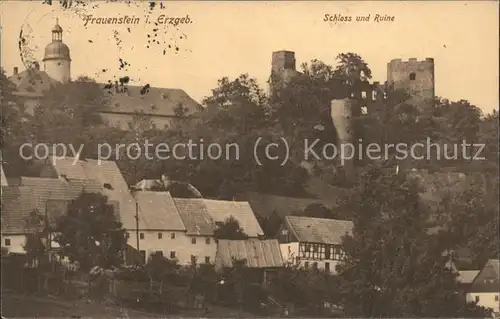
[57, 60]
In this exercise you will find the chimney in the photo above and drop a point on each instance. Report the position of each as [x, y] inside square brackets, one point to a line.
[16, 70]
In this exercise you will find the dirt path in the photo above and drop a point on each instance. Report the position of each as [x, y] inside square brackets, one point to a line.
[22, 306]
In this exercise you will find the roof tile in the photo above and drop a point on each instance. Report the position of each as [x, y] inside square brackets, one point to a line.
[154, 101]
[195, 216]
[221, 210]
[319, 230]
[258, 253]
[157, 211]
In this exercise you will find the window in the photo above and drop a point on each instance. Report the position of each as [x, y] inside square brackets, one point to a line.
[141, 235]
[306, 265]
[207, 261]
[207, 241]
[160, 235]
[127, 235]
[374, 95]
[327, 267]
[496, 297]
[413, 76]
[172, 255]
[477, 298]
[7, 241]
[193, 240]
[315, 265]
[363, 94]
[159, 253]
[172, 235]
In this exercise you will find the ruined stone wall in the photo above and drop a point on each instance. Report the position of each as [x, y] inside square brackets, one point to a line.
[413, 76]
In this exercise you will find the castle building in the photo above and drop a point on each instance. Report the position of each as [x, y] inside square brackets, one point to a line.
[413, 76]
[160, 105]
[283, 69]
[57, 62]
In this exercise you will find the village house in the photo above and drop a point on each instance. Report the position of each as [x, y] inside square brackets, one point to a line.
[48, 196]
[485, 289]
[179, 228]
[313, 242]
[220, 211]
[262, 257]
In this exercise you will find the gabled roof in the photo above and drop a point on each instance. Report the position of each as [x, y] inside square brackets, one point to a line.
[467, 276]
[32, 82]
[108, 175]
[488, 279]
[195, 216]
[319, 230]
[52, 195]
[152, 101]
[258, 253]
[265, 205]
[17, 203]
[221, 210]
[157, 211]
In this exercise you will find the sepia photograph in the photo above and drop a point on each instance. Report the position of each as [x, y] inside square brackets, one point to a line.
[249, 159]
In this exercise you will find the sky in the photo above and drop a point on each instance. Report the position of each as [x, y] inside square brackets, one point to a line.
[231, 38]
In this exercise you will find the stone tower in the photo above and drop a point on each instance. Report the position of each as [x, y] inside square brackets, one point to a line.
[283, 68]
[413, 76]
[57, 60]
[341, 112]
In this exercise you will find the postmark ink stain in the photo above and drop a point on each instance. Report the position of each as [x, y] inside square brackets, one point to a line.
[90, 41]
[152, 5]
[145, 89]
[128, 29]
[123, 64]
[164, 51]
[124, 80]
[104, 70]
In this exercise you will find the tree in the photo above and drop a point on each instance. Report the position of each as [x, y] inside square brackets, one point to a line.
[318, 211]
[160, 269]
[392, 267]
[230, 229]
[90, 232]
[37, 235]
[239, 101]
[270, 224]
[69, 112]
[11, 117]
[468, 220]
